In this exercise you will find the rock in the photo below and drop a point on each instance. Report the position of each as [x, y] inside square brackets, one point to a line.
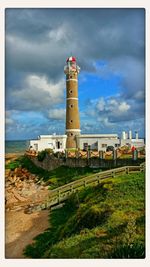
[23, 177]
[24, 187]
[17, 196]
[18, 185]
[7, 184]
[28, 211]
[16, 170]
[7, 172]
[19, 172]
[26, 192]
[14, 178]
[9, 188]
[10, 198]
[10, 179]
[17, 208]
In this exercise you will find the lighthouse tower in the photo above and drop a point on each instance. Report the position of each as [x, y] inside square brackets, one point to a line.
[72, 112]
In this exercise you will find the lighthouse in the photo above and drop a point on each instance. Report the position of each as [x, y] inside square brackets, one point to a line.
[72, 138]
[71, 71]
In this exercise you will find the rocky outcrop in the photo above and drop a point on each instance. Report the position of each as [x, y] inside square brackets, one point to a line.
[23, 189]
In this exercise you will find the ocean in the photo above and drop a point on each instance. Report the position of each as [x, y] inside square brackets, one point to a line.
[16, 146]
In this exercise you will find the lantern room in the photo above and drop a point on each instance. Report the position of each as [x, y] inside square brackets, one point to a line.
[71, 66]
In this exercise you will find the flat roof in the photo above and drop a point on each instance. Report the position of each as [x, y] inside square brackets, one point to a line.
[52, 136]
[97, 135]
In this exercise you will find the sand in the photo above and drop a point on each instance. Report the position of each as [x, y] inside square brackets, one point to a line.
[20, 229]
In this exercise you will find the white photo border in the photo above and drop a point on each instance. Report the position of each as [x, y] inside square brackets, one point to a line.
[64, 4]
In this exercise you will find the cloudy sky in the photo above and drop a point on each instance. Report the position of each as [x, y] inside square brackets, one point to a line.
[109, 47]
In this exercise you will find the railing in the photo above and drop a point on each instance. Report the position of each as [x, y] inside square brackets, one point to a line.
[58, 195]
[80, 154]
[61, 193]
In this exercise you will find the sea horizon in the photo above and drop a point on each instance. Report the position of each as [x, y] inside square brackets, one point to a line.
[16, 146]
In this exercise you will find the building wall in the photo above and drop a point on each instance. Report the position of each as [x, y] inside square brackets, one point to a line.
[57, 143]
[98, 143]
[105, 142]
[50, 163]
[132, 142]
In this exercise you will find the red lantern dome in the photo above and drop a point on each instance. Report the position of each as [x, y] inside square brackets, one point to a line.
[72, 59]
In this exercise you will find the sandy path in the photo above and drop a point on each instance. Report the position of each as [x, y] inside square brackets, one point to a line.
[21, 228]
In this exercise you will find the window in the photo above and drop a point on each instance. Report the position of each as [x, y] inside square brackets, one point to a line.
[104, 145]
[58, 144]
[70, 91]
[71, 121]
[71, 106]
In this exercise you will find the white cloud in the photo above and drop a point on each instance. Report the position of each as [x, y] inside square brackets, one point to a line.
[55, 91]
[105, 121]
[101, 104]
[37, 94]
[123, 107]
[57, 114]
[114, 106]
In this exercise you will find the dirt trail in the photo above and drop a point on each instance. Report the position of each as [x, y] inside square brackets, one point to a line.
[20, 230]
[21, 190]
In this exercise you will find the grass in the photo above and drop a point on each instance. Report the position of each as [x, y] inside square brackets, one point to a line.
[55, 178]
[105, 221]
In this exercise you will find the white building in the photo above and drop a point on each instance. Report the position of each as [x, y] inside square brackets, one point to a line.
[98, 142]
[84, 141]
[55, 142]
[129, 141]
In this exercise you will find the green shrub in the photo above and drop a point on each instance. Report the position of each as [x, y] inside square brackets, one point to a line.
[41, 155]
[13, 165]
[125, 251]
[93, 216]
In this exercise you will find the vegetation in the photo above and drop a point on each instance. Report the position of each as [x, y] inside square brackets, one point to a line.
[42, 154]
[54, 178]
[105, 221]
[13, 164]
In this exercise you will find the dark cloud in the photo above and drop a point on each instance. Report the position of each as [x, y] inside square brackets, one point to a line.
[38, 41]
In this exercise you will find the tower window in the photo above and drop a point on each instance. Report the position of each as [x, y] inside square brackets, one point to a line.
[70, 91]
[71, 121]
[71, 106]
